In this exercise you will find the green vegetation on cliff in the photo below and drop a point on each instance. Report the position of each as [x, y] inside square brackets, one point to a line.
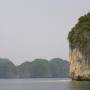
[80, 33]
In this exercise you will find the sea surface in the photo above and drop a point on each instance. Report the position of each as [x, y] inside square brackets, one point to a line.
[43, 84]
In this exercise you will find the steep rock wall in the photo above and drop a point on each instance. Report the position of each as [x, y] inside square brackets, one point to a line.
[79, 65]
[79, 53]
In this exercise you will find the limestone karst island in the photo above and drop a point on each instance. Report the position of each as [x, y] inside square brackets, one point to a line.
[79, 49]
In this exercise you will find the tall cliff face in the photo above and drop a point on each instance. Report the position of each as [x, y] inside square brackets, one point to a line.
[79, 65]
[79, 53]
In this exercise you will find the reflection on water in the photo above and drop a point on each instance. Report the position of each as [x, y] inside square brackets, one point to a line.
[79, 85]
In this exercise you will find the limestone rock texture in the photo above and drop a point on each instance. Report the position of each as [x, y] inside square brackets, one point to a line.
[79, 49]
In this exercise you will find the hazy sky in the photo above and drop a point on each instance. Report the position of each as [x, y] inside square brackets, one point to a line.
[32, 29]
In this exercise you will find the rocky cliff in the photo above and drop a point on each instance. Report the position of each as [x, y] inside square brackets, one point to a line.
[79, 53]
[7, 68]
[39, 68]
[24, 70]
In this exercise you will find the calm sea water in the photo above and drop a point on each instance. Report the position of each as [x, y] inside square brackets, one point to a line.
[43, 84]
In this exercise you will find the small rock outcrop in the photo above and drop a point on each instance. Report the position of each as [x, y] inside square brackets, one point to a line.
[79, 45]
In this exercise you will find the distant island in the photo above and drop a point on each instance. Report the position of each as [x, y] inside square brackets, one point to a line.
[79, 43]
[38, 68]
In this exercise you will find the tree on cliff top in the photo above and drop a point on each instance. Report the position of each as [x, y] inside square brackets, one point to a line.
[79, 36]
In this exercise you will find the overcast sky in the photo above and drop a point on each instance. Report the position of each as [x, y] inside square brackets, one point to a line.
[32, 29]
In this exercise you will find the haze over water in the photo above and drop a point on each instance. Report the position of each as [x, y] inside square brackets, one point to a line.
[32, 29]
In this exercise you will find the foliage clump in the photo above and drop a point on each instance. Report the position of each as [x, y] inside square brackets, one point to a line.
[79, 36]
